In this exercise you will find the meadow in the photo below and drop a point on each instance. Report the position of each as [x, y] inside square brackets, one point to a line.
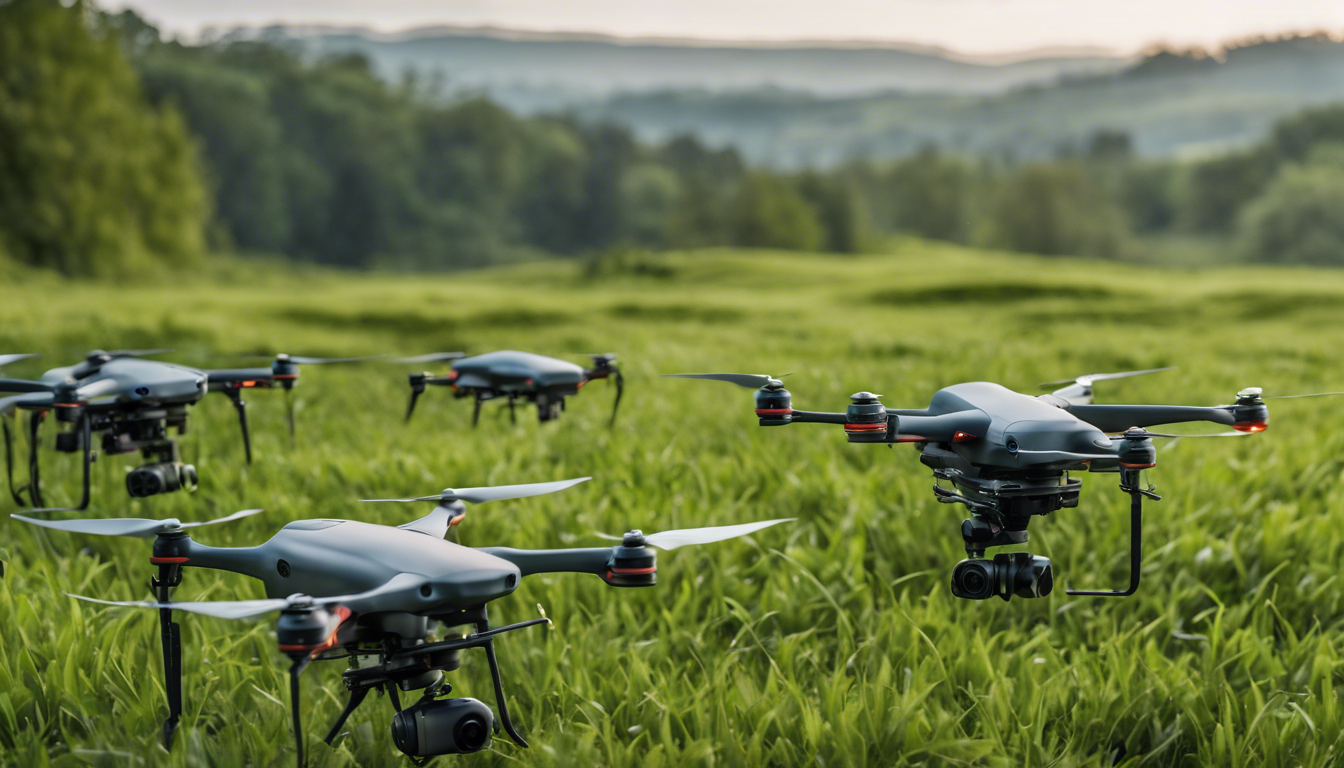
[831, 641]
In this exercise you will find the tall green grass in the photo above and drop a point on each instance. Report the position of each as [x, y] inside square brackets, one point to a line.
[830, 642]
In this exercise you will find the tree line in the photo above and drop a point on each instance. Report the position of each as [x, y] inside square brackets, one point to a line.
[122, 153]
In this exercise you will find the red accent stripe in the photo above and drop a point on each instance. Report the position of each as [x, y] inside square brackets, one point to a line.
[911, 439]
[865, 427]
[285, 376]
[773, 411]
[343, 614]
[1137, 466]
[634, 571]
[168, 560]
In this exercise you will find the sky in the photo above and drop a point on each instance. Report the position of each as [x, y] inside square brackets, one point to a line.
[969, 26]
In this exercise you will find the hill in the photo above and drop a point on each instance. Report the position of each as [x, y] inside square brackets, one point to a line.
[795, 106]
[533, 72]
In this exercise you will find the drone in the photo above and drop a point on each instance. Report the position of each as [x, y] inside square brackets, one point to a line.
[1008, 457]
[512, 375]
[134, 403]
[367, 594]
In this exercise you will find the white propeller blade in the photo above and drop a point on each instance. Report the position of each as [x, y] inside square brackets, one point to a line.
[680, 538]
[221, 609]
[128, 526]
[7, 359]
[241, 609]
[495, 493]
[748, 380]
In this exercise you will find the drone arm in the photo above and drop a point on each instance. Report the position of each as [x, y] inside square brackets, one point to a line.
[249, 561]
[816, 417]
[1118, 418]
[532, 561]
[236, 378]
[942, 428]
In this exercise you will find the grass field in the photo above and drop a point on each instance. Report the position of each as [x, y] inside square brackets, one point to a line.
[830, 642]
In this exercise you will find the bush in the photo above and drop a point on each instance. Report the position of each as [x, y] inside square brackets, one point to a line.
[1300, 217]
[1056, 209]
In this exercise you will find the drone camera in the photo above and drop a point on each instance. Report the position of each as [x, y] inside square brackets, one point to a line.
[443, 727]
[164, 477]
[1008, 574]
[774, 407]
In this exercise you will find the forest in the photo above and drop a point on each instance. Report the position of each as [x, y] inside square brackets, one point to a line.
[123, 153]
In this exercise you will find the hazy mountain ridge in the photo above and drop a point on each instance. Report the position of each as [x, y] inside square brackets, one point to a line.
[806, 104]
[531, 71]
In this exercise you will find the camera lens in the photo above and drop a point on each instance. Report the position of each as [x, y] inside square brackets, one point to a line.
[146, 481]
[471, 733]
[974, 579]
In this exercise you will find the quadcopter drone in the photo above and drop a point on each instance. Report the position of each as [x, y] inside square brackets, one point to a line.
[367, 593]
[545, 381]
[133, 402]
[1008, 457]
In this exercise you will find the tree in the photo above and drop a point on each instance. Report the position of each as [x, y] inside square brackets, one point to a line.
[767, 213]
[1056, 208]
[93, 180]
[1298, 218]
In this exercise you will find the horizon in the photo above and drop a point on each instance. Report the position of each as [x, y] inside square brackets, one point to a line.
[969, 28]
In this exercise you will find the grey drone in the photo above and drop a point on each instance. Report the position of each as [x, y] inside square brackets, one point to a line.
[1008, 457]
[134, 403]
[353, 590]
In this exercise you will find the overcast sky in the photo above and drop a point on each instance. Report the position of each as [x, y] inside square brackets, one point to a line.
[972, 26]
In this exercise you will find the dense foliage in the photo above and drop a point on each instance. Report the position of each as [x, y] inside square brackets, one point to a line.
[93, 180]
[323, 160]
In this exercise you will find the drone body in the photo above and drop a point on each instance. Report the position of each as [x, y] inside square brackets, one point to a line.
[1009, 456]
[513, 376]
[370, 592]
[133, 403]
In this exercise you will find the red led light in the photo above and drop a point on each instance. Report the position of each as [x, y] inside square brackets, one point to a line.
[1251, 426]
[962, 437]
[865, 427]
[773, 411]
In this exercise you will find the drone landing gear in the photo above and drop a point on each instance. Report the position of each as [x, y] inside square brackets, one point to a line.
[1129, 483]
[78, 439]
[170, 635]
[236, 397]
[435, 725]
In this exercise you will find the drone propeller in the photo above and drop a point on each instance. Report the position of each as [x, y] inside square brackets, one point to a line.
[137, 527]
[7, 359]
[40, 393]
[448, 513]
[669, 540]
[432, 357]
[748, 380]
[1294, 397]
[493, 493]
[1087, 379]
[304, 360]
[242, 609]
